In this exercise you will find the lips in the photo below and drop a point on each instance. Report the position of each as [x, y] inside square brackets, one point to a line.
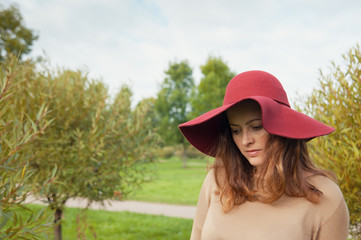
[253, 152]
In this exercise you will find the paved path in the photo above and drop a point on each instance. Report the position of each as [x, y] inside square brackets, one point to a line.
[132, 206]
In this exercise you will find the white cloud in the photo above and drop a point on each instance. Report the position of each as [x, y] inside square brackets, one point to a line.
[133, 41]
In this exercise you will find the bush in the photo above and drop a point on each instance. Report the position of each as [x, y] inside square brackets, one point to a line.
[192, 152]
[92, 141]
[17, 134]
[338, 103]
[167, 152]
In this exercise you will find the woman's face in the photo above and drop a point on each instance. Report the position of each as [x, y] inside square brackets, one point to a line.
[245, 121]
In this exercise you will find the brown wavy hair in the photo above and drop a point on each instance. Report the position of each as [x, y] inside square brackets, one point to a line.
[286, 171]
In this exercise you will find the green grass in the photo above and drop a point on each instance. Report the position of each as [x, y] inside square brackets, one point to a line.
[174, 184]
[122, 225]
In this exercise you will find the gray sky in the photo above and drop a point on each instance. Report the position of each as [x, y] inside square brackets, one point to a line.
[126, 41]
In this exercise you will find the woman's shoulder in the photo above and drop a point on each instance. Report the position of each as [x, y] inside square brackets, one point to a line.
[330, 190]
[211, 182]
[210, 178]
[331, 212]
[332, 200]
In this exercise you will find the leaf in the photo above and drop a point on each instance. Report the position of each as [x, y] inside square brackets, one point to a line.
[23, 172]
[4, 221]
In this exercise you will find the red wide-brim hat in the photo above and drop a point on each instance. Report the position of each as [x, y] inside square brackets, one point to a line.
[277, 116]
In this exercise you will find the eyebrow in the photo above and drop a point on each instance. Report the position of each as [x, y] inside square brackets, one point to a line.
[233, 124]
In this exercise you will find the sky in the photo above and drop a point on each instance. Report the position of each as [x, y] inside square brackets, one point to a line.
[133, 41]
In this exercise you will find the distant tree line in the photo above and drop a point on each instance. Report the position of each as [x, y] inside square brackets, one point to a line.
[180, 99]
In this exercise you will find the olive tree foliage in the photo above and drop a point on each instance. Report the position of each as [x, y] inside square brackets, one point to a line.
[15, 38]
[98, 146]
[151, 114]
[337, 102]
[17, 133]
[210, 91]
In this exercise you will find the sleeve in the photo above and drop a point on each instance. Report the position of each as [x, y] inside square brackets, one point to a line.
[202, 206]
[337, 226]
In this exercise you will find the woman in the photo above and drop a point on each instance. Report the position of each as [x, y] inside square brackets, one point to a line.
[263, 184]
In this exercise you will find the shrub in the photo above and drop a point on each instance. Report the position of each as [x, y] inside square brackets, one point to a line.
[338, 103]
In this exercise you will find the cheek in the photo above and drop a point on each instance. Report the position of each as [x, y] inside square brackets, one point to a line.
[237, 141]
[234, 137]
[264, 138]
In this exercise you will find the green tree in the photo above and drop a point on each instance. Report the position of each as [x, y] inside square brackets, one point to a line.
[337, 102]
[210, 91]
[15, 38]
[17, 133]
[149, 103]
[172, 105]
[99, 147]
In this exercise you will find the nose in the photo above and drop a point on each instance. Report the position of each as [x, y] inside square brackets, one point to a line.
[247, 138]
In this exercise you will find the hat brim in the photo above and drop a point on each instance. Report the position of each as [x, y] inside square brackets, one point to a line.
[277, 118]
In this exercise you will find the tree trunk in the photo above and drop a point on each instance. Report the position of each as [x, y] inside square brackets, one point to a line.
[57, 226]
[184, 157]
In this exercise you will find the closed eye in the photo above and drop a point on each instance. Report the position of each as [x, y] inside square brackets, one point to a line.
[235, 131]
[258, 127]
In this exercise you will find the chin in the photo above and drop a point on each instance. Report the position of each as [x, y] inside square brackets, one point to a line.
[256, 162]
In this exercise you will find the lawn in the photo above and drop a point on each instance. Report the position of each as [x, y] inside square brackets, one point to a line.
[125, 225]
[174, 184]
[122, 225]
[171, 184]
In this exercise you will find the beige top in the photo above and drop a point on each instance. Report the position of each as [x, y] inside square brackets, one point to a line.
[287, 218]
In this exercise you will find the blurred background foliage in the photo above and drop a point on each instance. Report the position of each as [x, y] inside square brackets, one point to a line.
[209, 93]
[15, 37]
